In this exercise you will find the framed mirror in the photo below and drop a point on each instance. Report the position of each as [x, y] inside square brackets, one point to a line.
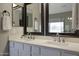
[61, 18]
[34, 18]
[17, 14]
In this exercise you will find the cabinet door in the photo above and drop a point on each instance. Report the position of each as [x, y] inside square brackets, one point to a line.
[49, 52]
[13, 51]
[11, 48]
[19, 48]
[16, 48]
[68, 53]
[26, 50]
[35, 50]
[11, 44]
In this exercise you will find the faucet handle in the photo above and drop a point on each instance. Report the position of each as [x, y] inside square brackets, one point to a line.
[28, 33]
[57, 34]
[22, 36]
[33, 37]
[63, 40]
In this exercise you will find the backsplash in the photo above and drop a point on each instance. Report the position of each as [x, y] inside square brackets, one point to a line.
[16, 32]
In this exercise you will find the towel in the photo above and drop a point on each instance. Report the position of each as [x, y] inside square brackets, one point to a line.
[6, 23]
[36, 25]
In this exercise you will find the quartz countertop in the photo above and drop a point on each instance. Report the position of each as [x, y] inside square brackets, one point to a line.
[49, 43]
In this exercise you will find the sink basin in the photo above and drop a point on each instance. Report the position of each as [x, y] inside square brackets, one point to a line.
[57, 43]
[39, 41]
[35, 40]
[50, 42]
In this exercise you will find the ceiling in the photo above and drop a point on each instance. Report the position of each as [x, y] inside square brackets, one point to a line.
[59, 7]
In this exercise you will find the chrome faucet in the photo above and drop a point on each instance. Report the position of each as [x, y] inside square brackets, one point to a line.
[60, 39]
[22, 36]
[30, 36]
[58, 36]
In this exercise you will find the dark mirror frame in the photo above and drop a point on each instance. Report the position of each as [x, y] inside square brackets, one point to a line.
[76, 33]
[25, 20]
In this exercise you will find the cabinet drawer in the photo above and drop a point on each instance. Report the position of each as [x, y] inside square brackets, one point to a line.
[69, 53]
[11, 44]
[49, 52]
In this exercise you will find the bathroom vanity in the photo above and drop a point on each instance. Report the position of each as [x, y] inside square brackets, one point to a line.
[41, 47]
[63, 21]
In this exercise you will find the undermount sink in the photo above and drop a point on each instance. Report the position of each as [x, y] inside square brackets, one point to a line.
[35, 40]
[39, 40]
[51, 42]
[57, 43]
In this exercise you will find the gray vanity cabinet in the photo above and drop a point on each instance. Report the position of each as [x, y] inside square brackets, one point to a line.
[11, 48]
[19, 49]
[16, 48]
[26, 50]
[49, 52]
[36, 50]
[68, 53]
[23, 49]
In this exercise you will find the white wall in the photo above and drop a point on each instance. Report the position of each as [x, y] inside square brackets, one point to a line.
[15, 32]
[78, 16]
[4, 35]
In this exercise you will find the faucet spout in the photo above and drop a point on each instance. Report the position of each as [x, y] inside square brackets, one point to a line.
[30, 36]
[58, 36]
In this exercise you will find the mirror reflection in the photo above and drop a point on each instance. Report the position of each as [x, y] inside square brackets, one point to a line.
[60, 17]
[33, 17]
[17, 15]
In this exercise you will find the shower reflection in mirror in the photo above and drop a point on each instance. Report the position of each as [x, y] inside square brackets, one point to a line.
[60, 17]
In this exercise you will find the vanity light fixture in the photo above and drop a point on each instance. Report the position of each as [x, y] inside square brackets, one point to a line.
[14, 5]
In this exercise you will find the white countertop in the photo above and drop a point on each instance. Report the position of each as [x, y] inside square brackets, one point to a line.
[50, 43]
